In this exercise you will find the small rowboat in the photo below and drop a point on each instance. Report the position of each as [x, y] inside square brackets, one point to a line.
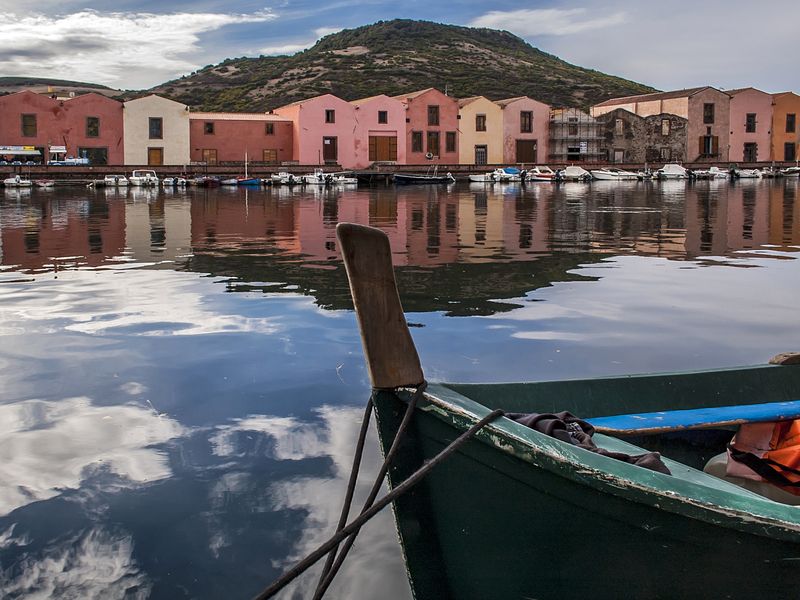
[515, 513]
[415, 178]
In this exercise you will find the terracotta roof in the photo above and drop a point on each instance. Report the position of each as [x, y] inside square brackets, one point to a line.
[470, 100]
[361, 101]
[217, 116]
[745, 89]
[656, 96]
[304, 100]
[412, 95]
[783, 94]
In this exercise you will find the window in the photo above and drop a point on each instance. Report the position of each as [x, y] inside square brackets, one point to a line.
[416, 141]
[525, 121]
[619, 127]
[210, 156]
[270, 156]
[96, 156]
[383, 117]
[156, 127]
[709, 146]
[790, 123]
[708, 112]
[29, 125]
[433, 114]
[450, 141]
[750, 153]
[208, 128]
[665, 127]
[480, 123]
[572, 127]
[330, 115]
[665, 154]
[93, 128]
[433, 143]
[750, 123]
[269, 128]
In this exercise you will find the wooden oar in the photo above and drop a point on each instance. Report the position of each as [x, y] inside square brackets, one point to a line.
[392, 358]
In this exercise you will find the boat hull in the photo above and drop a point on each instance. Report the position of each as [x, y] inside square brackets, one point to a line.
[422, 179]
[504, 519]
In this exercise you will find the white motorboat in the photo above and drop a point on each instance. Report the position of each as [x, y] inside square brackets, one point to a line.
[143, 177]
[573, 173]
[499, 175]
[17, 182]
[344, 180]
[174, 182]
[711, 173]
[115, 180]
[284, 178]
[747, 173]
[542, 173]
[671, 171]
[44, 183]
[318, 177]
[791, 172]
[611, 174]
[229, 181]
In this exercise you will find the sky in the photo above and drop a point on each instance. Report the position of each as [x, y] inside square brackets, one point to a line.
[137, 44]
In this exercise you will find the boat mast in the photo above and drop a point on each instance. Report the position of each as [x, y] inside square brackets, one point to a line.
[392, 358]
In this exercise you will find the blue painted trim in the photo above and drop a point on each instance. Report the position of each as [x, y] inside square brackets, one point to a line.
[697, 418]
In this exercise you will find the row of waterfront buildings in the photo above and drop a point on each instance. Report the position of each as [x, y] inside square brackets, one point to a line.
[426, 127]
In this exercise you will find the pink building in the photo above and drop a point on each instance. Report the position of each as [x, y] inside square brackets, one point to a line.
[380, 131]
[751, 125]
[431, 127]
[89, 125]
[525, 130]
[324, 130]
[225, 137]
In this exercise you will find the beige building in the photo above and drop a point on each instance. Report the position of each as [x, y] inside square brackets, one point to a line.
[481, 131]
[156, 132]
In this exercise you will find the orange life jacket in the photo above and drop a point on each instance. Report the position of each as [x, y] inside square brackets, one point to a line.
[767, 452]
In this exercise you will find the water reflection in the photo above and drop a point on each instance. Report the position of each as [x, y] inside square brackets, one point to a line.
[182, 373]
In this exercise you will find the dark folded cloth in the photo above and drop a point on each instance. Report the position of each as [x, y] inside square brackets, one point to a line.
[568, 428]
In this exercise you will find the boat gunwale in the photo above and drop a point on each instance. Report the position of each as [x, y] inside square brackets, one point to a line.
[725, 505]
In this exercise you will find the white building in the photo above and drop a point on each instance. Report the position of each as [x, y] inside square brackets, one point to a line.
[156, 131]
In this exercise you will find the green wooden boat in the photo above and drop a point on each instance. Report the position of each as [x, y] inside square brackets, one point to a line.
[517, 514]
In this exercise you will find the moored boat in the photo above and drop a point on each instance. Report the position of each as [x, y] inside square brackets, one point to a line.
[174, 182]
[418, 178]
[44, 183]
[711, 173]
[285, 178]
[518, 513]
[612, 174]
[499, 175]
[115, 180]
[671, 171]
[746, 173]
[143, 177]
[540, 173]
[573, 173]
[791, 172]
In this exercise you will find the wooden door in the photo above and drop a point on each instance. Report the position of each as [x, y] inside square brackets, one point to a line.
[382, 148]
[526, 151]
[270, 156]
[155, 157]
[330, 149]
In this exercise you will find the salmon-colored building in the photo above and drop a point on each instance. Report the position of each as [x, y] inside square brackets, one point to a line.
[525, 130]
[323, 131]
[89, 125]
[226, 137]
[785, 128]
[380, 134]
[431, 127]
[706, 109]
[751, 125]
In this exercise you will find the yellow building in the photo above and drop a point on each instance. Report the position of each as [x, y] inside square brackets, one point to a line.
[480, 131]
[785, 126]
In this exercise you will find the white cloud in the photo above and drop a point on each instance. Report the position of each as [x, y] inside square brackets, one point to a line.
[548, 21]
[295, 46]
[128, 50]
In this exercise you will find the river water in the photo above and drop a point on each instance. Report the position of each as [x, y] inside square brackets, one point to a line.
[181, 376]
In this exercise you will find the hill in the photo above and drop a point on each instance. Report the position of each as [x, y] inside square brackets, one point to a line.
[10, 85]
[395, 57]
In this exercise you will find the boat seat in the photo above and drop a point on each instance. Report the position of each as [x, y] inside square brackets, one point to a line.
[717, 467]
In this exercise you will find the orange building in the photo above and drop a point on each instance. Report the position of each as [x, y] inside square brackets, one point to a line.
[785, 128]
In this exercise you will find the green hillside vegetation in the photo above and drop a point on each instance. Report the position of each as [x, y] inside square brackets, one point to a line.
[395, 57]
[23, 82]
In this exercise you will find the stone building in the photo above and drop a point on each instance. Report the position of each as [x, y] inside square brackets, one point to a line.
[156, 132]
[666, 138]
[630, 138]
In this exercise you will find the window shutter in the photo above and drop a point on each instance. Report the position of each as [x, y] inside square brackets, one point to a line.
[715, 145]
[701, 145]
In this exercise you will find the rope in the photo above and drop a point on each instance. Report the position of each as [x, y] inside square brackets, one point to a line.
[355, 526]
[327, 578]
